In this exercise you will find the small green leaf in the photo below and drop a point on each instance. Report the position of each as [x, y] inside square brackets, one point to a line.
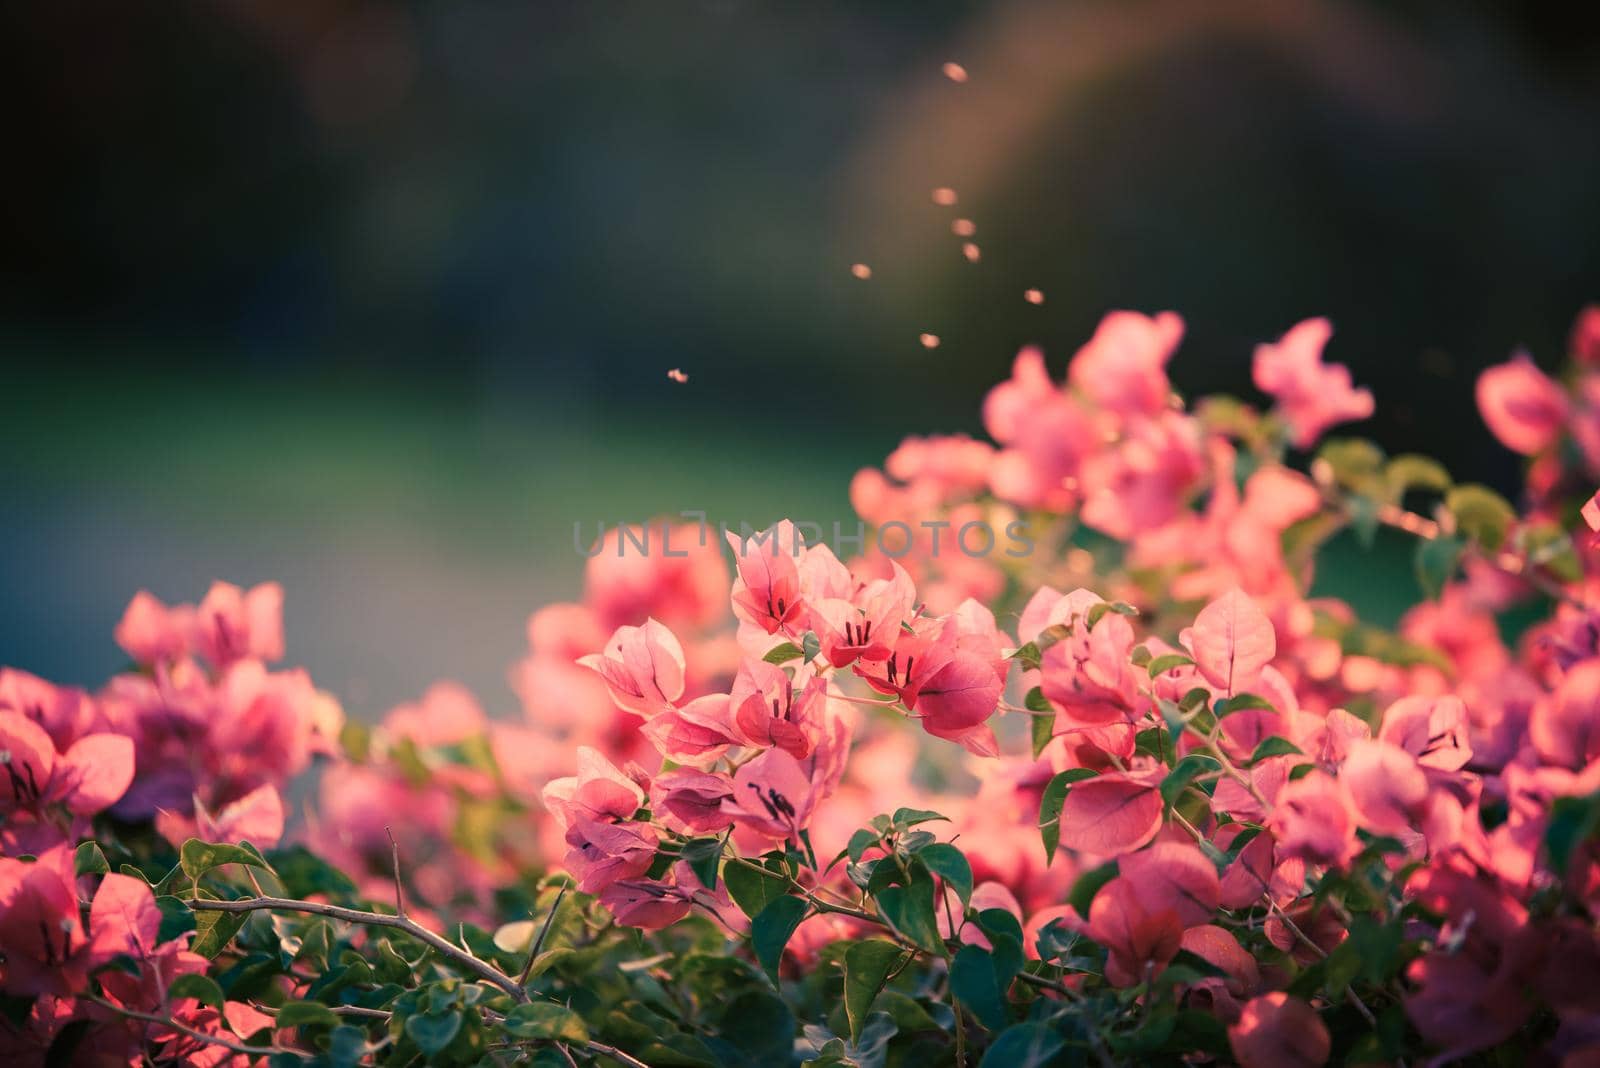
[974, 984]
[810, 645]
[1043, 729]
[1275, 745]
[1167, 662]
[704, 855]
[1412, 471]
[949, 864]
[910, 817]
[431, 1033]
[866, 968]
[1242, 702]
[197, 857]
[750, 889]
[214, 930]
[1027, 1045]
[1028, 656]
[784, 653]
[202, 988]
[1055, 795]
[1088, 884]
[309, 1014]
[1481, 514]
[546, 1020]
[176, 917]
[1035, 701]
[770, 930]
[1185, 772]
[909, 910]
[1436, 562]
[90, 860]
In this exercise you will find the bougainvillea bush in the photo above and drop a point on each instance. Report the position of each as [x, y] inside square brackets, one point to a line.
[1064, 764]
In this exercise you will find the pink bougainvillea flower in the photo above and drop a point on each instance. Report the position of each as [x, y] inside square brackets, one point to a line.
[1279, 1031]
[1123, 366]
[1311, 395]
[599, 791]
[1112, 814]
[256, 818]
[1435, 730]
[675, 573]
[767, 711]
[231, 624]
[1314, 819]
[1523, 407]
[1088, 675]
[1386, 785]
[1591, 513]
[151, 631]
[1145, 480]
[767, 591]
[867, 625]
[1565, 725]
[40, 928]
[698, 733]
[89, 777]
[1176, 876]
[1232, 640]
[649, 904]
[691, 802]
[773, 795]
[600, 853]
[1138, 941]
[643, 668]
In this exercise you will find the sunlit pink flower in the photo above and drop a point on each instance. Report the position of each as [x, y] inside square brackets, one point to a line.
[1523, 407]
[1311, 395]
[643, 668]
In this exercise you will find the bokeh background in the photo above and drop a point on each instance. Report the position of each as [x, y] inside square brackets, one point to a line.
[378, 299]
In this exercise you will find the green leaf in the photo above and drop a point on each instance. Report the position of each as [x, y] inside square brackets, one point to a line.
[760, 1025]
[347, 1045]
[1088, 884]
[1043, 729]
[1412, 471]
[432, 1033]
[784, 653]
[770, 930]
[909, 910]
[1275, 745]
[176, 918]
[1574, 821]
[1242, 702]
[1035, 701]
[1481, 514]
[1357, 464]
[752, 890]
[1436, 562]
[910, 817]
[309, 1014]
[1027, 1045]
[197, 857]
[1028, 656]
[810, 645]
[90, 860]
[704, 855]
[866, 968]
[202, 988]
[975, 985]
[1055, 795]
[949, 864]
[546, 1020]
[1167, 662]
[214, 930]
[1185, 772]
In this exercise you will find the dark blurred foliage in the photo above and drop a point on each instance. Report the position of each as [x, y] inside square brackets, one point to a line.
[460, 219]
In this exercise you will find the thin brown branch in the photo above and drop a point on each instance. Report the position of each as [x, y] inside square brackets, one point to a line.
[438, 943]
[538, 943]
[199, 1036]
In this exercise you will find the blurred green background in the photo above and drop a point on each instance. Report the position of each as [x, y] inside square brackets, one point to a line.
[378, 299]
